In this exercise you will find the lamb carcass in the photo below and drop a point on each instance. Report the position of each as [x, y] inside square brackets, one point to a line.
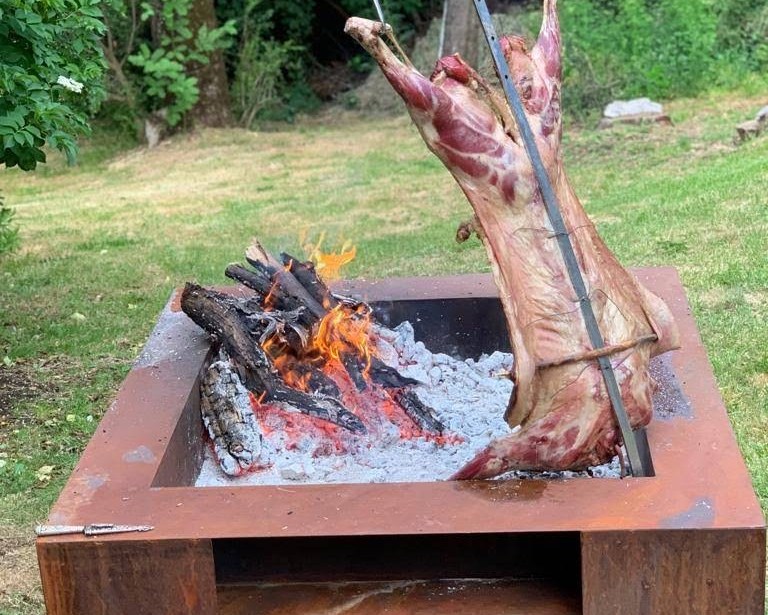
[560, 400]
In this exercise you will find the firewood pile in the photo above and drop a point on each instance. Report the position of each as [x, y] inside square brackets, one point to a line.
[290, 344]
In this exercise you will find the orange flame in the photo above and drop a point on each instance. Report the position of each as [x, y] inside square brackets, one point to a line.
[346, 330]
[328, 264]
[288, 368]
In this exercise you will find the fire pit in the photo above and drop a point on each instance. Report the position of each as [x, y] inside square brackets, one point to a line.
[689, 539]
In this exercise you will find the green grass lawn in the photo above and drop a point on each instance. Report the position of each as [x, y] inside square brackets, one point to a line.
[104, 244]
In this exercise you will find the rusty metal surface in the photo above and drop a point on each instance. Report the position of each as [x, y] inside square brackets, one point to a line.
[452, 597]
[674, 572]
[701, 479]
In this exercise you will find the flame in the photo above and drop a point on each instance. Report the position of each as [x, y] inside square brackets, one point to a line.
[269, 299]
[328, 264]
[341, 348]
[289, 369]
[346, 330]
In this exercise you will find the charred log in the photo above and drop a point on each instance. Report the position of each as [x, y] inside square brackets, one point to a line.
[355, 369]
[305, 273]
[255, 280]
[387, 376]
[318, 406]
[219, 315]
[418, 411]
[270, 292]
[264, 262]
[228, 417]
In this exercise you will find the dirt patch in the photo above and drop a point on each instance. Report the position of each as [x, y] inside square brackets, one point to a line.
[40, 379]
[714, 297]
[16, 385]
[19, 579]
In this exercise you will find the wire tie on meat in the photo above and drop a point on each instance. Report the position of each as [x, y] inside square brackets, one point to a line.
[600, 352]
[387, 30]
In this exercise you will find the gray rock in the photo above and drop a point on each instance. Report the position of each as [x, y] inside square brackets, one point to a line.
[637, 106]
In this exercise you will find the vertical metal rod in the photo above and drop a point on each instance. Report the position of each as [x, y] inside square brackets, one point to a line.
[552, 207]
[379, 12]
[441, 40]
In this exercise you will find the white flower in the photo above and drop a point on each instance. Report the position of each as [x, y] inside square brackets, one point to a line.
[70, 84]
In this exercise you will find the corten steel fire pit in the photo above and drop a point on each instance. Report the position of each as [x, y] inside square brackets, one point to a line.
[691, 539]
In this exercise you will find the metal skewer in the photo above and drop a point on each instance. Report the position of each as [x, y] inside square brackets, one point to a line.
[390, 33]
[379, 12]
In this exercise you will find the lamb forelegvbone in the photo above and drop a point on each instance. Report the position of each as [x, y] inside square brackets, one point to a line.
[559, 400]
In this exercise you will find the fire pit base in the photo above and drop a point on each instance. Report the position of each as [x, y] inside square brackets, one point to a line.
[486, 597]
[689, 540]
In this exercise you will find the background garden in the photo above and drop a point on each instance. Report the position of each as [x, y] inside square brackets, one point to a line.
[263, 123]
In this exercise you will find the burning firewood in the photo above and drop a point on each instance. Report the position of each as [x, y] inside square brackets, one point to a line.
[559, 400]
[305, 273]
[219, 315]
[421, 414]
[288, 344]
[228, 417]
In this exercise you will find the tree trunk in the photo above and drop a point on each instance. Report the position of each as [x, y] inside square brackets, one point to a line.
[213, 106]
[462, 31]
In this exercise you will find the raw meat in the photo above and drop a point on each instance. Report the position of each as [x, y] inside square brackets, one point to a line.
[559, 399]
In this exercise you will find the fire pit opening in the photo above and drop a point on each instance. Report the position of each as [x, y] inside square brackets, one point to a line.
[464, 327]
[362, 565]
[394, 558]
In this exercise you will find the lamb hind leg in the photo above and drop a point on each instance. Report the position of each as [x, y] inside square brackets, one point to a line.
[554, 443]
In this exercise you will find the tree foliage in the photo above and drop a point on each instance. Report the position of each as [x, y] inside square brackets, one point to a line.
[151, 47]
[9, 233]
[628, 48]
[743, 31]
[51, 71]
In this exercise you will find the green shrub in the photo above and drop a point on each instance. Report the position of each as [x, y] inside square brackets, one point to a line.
[51, 69]
[742, 32]
[628, 48]
[261, 66]
[9, 234]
